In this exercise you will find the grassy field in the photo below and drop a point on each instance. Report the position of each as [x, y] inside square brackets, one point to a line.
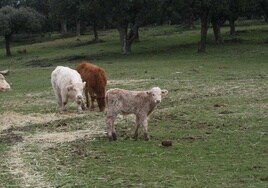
[215, 113]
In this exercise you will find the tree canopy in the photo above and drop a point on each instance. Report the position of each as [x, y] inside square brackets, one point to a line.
[127, 16]
[21, 20]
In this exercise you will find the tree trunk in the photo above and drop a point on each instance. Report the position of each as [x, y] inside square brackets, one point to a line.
[127, 38]
[137, 36]
[96, 35]
[125, 45]
[63, 27]
[266, 17]
[78, 28]
[232, 26]
[204, 30]
[217, 32]
[7, 42]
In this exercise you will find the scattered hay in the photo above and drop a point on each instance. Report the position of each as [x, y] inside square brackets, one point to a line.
[15, 120]
[25, 172]
[49, 139]
[22, 171]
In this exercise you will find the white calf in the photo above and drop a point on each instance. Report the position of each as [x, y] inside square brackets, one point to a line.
[140, 103]
[4, 86]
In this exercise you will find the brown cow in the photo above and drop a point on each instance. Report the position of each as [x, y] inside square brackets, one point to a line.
[140, 103]
[96, 81]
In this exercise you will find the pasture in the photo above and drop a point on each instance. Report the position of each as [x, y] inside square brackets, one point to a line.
[215, 113]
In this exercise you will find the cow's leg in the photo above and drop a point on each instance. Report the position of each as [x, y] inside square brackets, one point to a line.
[109, 121]
[92, 96]
[144, 122]
[58, 98]
[83, 105]
[87, 99]
[64, 99]
[57, 95]
[138, 124]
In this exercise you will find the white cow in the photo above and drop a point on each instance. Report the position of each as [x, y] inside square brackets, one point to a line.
[4, 86]
[140, 103]
[67, 84]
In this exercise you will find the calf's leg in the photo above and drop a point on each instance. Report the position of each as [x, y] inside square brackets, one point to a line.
[141, 120]
[64, 100]
[58, 98]
[145, 128]
[138, 123]
[109, 121]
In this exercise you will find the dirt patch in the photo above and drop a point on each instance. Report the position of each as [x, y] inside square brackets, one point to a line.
[10, 138]
[264, 178]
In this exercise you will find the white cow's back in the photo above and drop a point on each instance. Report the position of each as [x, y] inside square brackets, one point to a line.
[63, 76]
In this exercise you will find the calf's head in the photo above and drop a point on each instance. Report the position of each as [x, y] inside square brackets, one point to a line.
[4, 86]
[75, 92]
[156, 94]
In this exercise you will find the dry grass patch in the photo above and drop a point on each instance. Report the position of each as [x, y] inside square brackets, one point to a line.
[26, 172]
[16, 120]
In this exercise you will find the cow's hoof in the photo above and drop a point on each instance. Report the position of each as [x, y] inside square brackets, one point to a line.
[135, 138]
[80, 111]
[114, 136]
[146, 138]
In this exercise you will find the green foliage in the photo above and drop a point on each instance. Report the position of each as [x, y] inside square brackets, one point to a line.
[5, 27]
[19, 20]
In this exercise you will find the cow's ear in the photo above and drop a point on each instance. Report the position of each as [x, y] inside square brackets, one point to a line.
[164, 92]
[148, 92]
[70, 87]
[84, 84]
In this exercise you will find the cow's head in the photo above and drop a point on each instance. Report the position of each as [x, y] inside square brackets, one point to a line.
[156, 94]
[4, 86]
[75, 92]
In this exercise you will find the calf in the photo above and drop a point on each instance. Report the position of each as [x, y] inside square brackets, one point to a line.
[67, 84]
[4, 86]
[140, 103]
[96, 81]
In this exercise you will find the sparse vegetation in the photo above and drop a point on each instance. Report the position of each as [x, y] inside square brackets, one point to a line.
[215, 113]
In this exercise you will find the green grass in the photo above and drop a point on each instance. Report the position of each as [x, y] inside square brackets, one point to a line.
[215, 113]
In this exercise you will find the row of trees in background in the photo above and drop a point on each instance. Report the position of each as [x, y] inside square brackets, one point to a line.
[125, 15]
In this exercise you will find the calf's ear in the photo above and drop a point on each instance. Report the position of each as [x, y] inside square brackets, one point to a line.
[164, 92]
